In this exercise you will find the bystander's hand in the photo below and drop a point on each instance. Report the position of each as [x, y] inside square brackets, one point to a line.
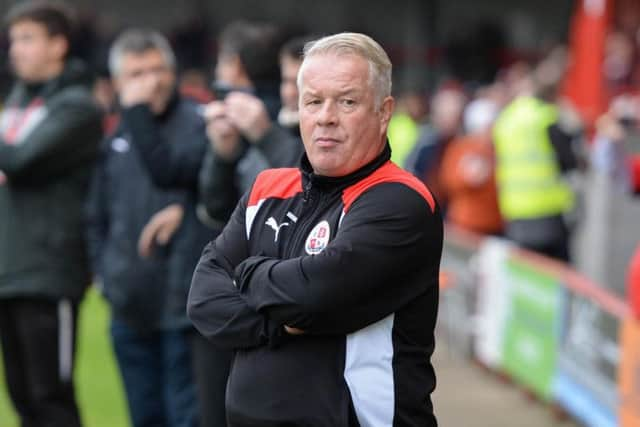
[223, 135]
[138, 90]
[475, 169]
[610, 127]
[160, 229]
[293, 331]
[248, 114]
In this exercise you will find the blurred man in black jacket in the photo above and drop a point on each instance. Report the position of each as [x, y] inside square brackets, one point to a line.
[151, 335]
[49, 136]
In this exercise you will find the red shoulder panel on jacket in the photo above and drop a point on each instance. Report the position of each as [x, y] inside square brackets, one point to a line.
[276, 183]
[388, 172]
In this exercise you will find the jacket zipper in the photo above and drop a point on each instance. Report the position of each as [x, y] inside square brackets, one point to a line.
[306, 216]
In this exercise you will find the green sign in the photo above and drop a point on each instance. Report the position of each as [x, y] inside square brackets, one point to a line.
[530, 341]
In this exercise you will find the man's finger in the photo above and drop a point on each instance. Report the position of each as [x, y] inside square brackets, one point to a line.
[214, 110]
[293, 331]
[165, 233]
[147, 237]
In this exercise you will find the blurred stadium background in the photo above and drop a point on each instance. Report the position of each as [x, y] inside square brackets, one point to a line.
[428, 41]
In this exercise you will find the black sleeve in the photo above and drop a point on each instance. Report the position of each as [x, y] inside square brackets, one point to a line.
[67, 137]
[218, 189]
[215, 306]
[220, 185]
[280, 147]
[97, 216]
[386, 253]
[563, 146]
[170, 164]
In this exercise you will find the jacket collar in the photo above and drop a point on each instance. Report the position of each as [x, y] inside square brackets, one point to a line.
[327, 183]
[75, 72]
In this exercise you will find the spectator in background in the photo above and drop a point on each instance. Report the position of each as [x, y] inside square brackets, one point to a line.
[445, 123]
[290, 61]
[242, 124]
[49, 137]
[533, 152]
[616, 145]
[467, 173]
[618, 68]
[171, 146]
[410, 114]
[616, 154]
[149, 329]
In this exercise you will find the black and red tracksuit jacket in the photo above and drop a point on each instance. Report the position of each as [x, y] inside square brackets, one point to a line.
[352, 261]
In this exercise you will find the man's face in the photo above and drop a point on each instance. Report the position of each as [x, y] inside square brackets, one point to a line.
[230, 72]
[150, 70]
[340, 128]
[35, 55]
[288, 88]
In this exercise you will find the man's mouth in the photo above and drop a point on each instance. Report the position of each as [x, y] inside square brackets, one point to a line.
[324, 141]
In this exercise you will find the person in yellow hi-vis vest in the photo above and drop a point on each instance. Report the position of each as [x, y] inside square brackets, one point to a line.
[404, 127]
[532, 153]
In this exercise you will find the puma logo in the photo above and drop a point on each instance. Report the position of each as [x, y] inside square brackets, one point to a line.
[271, 222]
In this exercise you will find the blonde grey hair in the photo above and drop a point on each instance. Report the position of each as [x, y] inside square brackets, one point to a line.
[138, 41]
[360, 45]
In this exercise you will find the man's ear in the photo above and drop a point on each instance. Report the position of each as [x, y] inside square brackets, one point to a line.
[386, 111]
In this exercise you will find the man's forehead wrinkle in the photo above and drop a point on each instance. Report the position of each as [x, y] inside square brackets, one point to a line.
[340, 83]
[346, 90]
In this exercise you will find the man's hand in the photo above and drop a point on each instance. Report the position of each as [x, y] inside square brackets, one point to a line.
[475, 169]
[223, 136]
[293, 331]
[609, 127]
[160, 229]
[138, 90]
[248, 114]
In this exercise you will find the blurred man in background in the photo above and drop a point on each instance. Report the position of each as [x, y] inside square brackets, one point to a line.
[533, 154]
[404, 129]
[290, 61]
[150, 334]
[467, 173]
[242, 124]
[49, 136]
[171, 147]
[444, 124]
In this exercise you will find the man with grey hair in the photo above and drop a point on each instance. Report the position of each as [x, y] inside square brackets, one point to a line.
[325, 280]
[147, 283]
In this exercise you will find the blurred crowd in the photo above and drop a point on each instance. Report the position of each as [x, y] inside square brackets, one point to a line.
[169, 152]
[464, 149]
[509, 158]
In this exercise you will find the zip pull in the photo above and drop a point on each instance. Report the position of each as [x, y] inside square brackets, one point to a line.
[306, 194]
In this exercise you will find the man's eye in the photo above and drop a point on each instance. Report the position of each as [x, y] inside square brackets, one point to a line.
[348, 102]
[313, 102]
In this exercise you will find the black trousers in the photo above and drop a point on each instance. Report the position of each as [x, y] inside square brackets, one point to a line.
[211, 371]
[38, 346]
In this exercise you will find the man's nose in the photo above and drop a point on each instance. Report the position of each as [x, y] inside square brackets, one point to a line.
[153, 79]
[328, 114]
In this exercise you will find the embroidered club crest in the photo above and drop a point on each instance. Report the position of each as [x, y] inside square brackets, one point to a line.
[318, 238]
